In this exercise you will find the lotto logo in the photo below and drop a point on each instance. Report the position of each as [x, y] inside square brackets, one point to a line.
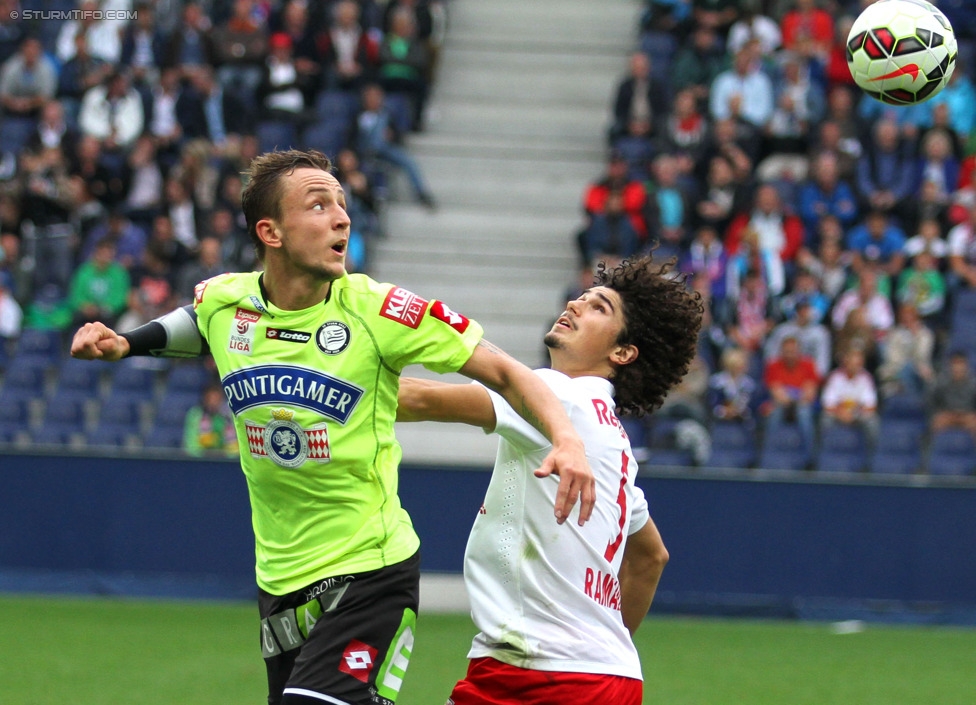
[404, 307]
[358, 660]
[441, 312]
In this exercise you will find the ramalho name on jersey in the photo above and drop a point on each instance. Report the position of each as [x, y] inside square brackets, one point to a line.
[314, 398]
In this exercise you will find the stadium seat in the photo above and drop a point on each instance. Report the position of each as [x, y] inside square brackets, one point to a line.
[328, 135]
[82, 376]
[903, 406]
[42, 344]
[783, 450]
[671, 457]
[124, 413]
[64, 422]
[842, 449]
[188, 377]
[899, 448]
[337, 104]
[276, 135]
[952, 452]
[25, 374]
[733, 445]
[14, 418]
[133, 382]
[163, 437]
[106, 435]
[171, 409]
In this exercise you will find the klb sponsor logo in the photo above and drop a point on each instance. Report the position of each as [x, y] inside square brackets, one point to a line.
[291, 385]
[290, 336]
[404, 307]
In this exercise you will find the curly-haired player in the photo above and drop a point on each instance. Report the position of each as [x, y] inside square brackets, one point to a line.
[554, 604]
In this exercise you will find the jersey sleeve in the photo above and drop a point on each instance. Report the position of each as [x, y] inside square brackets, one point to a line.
[639, 513]
[410, 330]
[512, 427]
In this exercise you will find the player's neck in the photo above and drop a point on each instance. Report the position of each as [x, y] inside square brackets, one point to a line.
[295, 292]
[572, 368]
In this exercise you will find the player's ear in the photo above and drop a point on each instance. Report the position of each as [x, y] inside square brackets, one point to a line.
[624, 354]
[268, 232]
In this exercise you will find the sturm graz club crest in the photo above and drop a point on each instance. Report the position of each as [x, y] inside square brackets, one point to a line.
[285, 442]
[332, 337]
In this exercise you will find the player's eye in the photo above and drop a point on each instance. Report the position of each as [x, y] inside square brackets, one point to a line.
[318, 205]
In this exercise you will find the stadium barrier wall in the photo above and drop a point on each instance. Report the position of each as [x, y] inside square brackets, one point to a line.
[750, 543]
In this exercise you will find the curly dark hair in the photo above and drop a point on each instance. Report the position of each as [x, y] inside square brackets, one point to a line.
[662, 319]
[262, 196]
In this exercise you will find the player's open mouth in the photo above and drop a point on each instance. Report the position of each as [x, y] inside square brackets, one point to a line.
[563, 322]
[339, 248]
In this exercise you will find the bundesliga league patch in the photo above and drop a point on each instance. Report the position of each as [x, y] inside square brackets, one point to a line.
[286, 443]
[241, 339]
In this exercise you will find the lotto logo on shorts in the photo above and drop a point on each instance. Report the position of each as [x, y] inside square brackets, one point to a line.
[358, 660]
[441, 312]
[404, 307]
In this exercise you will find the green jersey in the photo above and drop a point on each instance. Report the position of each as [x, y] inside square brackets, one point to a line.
[314, 398]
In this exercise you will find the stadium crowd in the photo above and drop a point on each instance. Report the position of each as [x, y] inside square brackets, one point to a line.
[125, 126]
[833, 238]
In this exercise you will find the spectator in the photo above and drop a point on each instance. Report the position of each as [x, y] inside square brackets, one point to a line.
[236, 251]
[78, 75]
[686, 400]
[825, 194]
[830, 138]
[798, 104]
[639, 97]
[99, 288]
[46, 202]
[792, 381]
[145, 195]
[209, 263]
[686, 127]
[959, 97]
[351, 54]
[808, 30]
[962, 250]
[362, 201]
[112, 113]
[293, 21]
[952, 402]
[886, 171]
[743, 92]
[284, 93]
[11, 317]
[667, 206]
[850, 397]
[706, 257]
[928, 238]
[610, 233]
[129, 239]
[164, 123]
[240, 47]
[163, 242]
[877, 243]
[208, 428]
[732, 392]
[190, 45]
[837, 71]
[876, 307]
[752, 23]
[210, 112]
[779, 233]
[404, 64]
[806, 289]
[717, 15]
[751, 257]
[143, 51]
[28, 80]
[937, 166]
[751, 321]
[182, 212]
[52, 131]
[721, 195]
[906, 363]
[102, 35]
[377, 139]
[697, 64]
[923, 287]
[617, 178]
[812, 337]
[152, 293]
[830, 265]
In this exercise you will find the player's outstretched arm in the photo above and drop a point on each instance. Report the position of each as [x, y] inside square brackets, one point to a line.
[640, 572]
[96, 341]
[428, 400]
[532, 399]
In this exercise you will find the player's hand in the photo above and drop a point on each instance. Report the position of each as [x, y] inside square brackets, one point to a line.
[576, 482]
[96, 341]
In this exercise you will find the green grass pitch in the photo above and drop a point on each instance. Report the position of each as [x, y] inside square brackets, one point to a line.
[55, 650]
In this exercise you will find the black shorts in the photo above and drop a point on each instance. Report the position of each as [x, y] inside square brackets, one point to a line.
[344, 640]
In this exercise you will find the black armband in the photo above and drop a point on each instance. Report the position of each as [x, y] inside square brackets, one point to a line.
[172, 335]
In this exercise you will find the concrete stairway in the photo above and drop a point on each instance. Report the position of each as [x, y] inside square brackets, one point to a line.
[515, 132]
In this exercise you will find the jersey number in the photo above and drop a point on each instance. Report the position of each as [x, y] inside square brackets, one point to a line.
[614, 545]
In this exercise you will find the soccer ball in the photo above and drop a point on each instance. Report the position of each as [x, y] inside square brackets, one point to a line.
[901, 52]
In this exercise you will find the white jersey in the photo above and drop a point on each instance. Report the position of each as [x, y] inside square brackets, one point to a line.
[545, 596]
